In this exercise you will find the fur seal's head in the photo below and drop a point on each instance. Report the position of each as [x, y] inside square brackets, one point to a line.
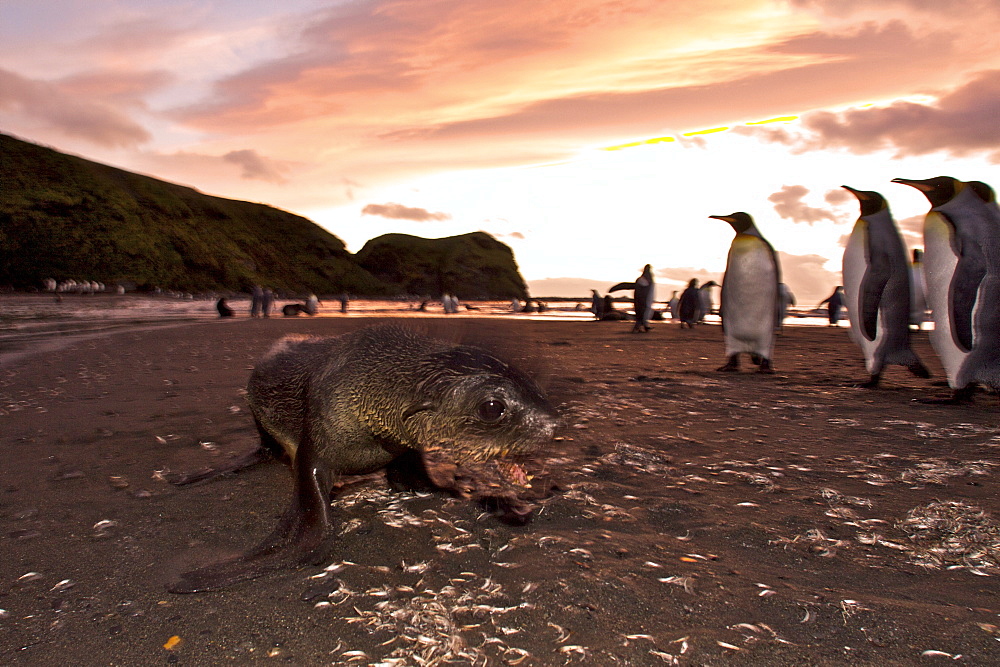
[474, 407]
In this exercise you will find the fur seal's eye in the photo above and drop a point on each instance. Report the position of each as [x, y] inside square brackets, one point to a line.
[492, 410]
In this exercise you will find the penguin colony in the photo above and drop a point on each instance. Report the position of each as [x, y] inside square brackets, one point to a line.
[957, 276]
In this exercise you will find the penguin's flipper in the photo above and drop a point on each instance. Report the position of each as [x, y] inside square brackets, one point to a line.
[964, 289]
[872, 285]
[622, 286]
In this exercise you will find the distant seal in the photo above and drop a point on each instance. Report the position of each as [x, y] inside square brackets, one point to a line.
[292, 309]
[223, 308]
[877, 283]
[749, 307]
[382, 397]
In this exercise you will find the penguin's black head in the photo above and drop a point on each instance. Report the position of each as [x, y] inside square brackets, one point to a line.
[938, 190]
[983, 191]
[740, 221]
[871, 202]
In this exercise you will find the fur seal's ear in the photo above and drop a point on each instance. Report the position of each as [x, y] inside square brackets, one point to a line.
[422, 406]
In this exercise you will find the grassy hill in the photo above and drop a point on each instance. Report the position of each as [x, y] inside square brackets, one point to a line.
[66, 217]
[470, 266]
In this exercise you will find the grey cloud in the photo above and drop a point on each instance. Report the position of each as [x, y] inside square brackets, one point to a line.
[962, 121]
[255, 166]
[400, 212]
[682, 275]
[844, 7]
[119, 87]
[47, 102]
[788, 204]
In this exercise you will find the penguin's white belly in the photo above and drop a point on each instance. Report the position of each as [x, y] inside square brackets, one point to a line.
[749, 298]
[856, 261]
[939, 263]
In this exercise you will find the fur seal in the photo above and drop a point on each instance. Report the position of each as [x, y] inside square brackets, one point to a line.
[432, 414]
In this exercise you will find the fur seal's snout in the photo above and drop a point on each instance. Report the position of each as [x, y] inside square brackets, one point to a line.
[434, 415]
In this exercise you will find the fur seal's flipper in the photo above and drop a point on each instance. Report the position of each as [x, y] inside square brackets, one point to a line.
[299, 539]
[408, 472]
[259, 455]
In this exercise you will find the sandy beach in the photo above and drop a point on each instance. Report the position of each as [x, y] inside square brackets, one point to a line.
[704, 518]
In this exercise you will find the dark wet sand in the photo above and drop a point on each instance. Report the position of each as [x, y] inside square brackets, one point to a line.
[707, 518]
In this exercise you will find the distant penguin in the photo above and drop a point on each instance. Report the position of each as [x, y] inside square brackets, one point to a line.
[749, 295]
[689, 305]
[877, 284]
[785, 300]
[705, 299]
[643, 293]
[918, 293]
[962, 275]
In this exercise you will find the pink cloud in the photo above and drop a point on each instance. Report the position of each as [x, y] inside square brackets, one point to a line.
[400, 212]
[48, 104]
[788, 204]
[961, 121]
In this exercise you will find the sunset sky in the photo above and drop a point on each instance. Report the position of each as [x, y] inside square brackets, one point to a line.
[592, 136]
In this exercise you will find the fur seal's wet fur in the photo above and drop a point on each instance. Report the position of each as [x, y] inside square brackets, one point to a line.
[433, 414]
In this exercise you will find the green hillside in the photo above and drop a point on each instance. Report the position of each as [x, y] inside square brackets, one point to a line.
[65, 217]
[470, 266]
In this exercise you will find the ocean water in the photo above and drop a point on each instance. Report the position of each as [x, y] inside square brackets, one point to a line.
[36, 322]
[32, 323]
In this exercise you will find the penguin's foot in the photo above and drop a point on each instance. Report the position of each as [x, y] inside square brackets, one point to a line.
[919, 370]
[731, 366]
[755, 359]
[871, 384]
[961, 396]
[765, 366]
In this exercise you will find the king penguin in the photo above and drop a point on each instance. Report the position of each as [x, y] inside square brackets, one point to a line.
[962, 275]
[749, 304]
[877, 284]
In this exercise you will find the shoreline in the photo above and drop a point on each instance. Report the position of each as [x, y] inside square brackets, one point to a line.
[718, 518]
